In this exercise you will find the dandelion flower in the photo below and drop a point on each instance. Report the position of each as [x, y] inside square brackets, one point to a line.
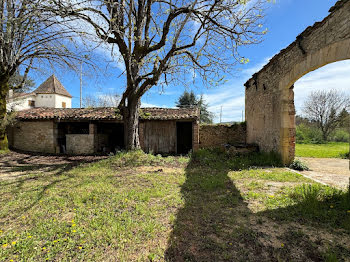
[44, 248]
[4, 245]
[73, 225]
[14, 243]
[348, 212]
[282, 245]
[80, 247]
[74, 231]
[29, 236]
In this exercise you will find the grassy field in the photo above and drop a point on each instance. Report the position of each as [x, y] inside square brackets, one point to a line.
[330, 150]
[138, 207]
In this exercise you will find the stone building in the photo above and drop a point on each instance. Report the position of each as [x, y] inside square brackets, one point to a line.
[50, 93]
[100, 130]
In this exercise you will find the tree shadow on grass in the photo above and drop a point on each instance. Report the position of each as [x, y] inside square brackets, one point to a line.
[53, 171]
[215, 223]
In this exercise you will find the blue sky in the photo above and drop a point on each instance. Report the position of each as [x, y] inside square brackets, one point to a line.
[285, 19]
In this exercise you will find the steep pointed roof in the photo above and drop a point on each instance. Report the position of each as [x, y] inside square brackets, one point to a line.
[52, 86]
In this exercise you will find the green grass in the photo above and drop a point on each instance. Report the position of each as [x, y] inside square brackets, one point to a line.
[329, 150]
[138, 207]
[2, 152]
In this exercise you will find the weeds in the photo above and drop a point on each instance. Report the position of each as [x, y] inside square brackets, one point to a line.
[140, 207]
[299, 165]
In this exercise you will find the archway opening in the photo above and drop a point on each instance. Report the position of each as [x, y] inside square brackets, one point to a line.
[322, 120]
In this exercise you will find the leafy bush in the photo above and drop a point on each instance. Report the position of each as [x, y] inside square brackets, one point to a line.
[340, 135]
[308, 135]
[299, 165]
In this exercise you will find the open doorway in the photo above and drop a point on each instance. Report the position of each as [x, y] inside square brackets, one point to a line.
[111, 136]
[322, 118]
[184, 137]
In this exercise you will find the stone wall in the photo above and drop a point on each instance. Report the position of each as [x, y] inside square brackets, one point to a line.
[269, 100]
[218, 135]
[80, 144]
[33, 136]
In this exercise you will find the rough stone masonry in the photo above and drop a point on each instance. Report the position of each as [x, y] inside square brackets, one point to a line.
[269, 97]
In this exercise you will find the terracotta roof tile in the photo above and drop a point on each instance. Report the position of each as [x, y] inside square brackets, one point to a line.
[18, 94]
[105, 113]
[52, 86]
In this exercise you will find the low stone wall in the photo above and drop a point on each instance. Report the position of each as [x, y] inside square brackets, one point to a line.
[80, 144]
[218, 135]
[34, 136]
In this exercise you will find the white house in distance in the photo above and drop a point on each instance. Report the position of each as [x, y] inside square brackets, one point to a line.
[51, 93]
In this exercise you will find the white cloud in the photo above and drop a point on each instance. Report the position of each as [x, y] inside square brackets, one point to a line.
[231, 96]
[333, 76]
[144, 104]
[229, 100]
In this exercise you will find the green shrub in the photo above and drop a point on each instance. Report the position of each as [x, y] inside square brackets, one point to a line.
[299, 165]
[340, 135]
[308, 135]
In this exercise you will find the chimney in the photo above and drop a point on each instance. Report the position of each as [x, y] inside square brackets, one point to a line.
[10, 93]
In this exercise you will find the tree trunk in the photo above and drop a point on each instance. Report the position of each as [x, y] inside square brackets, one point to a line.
[4, 88]
[131, 123]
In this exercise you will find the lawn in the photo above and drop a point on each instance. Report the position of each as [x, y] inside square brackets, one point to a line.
[138, 207]
[329, 150]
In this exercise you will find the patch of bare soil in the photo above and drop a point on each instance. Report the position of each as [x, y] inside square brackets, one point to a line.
[18, 164]
[331, 171]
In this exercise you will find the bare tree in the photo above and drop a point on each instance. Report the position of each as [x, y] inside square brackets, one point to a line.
[101, 100]
[30, 36]
[163, 41]
[324, 107]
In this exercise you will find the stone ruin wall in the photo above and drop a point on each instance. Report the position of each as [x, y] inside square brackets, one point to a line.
[213, 136]
[270, 112]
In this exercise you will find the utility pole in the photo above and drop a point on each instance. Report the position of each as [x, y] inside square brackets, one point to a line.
[220, 114]
[242, 116]
[81, 83]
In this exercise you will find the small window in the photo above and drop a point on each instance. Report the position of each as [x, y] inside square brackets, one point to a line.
[64, 104]
[31, 103]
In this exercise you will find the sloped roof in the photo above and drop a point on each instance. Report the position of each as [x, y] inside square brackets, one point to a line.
[105, 113]
[52, 86]
[19, 95]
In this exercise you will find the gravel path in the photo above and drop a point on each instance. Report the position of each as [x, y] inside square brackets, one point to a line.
[330, 171]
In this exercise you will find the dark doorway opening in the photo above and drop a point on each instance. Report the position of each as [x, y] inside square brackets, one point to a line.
[111, 136]
[64, 128]
[184, 137]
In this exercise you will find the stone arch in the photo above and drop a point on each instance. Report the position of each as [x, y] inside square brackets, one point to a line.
[270, 111]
